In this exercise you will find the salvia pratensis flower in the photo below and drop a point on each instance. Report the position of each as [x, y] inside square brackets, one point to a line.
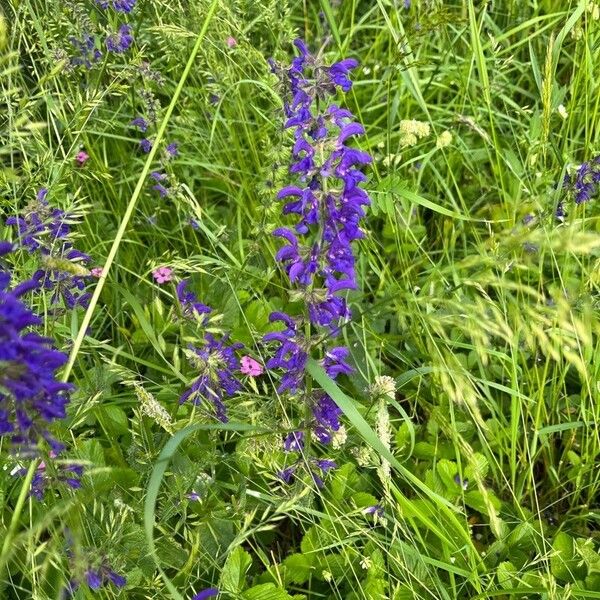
[58, 473]
[45, 230]
[87, 53]
[120, 41]
[584, 183]
[327, 204]
[31, 395]
[217, 364]
[207, 593]
[140, 123]
[191, 307]
[124, 6]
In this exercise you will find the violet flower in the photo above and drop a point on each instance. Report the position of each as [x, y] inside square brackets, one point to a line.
[327, 205]
[45, 231]
[217, 363]
[31, 395]
[120, 41]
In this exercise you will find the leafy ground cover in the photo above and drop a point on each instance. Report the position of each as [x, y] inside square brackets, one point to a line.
[299, 299]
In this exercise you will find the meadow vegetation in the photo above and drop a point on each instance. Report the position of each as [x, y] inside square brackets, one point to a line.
[299, 299]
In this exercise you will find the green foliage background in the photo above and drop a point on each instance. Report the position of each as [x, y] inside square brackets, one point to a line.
[488, 326]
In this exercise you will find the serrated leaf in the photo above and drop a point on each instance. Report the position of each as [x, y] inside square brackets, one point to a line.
[564, 565]
[114, 419]
[299, 568]
[233, 576]
[266, 591]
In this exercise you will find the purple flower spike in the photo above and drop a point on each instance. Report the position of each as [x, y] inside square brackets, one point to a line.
[30, 394]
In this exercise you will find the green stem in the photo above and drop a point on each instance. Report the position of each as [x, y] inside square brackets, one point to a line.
[14, 522]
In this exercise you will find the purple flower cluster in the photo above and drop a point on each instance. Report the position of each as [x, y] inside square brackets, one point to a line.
[317, 469]
[160, 179]
[31, 396]
[215, 360]
[124, 6]
[217, 363]
[328, 205]
[45, 230]
[191, 307]
[121, 40]
[97, 576]
[86, 52]
[584, 183]
[60, 473]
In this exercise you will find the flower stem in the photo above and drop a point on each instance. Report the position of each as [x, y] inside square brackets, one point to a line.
[14, 522]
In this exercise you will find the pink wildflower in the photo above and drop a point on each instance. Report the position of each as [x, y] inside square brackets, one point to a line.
[251, 367]
[81, 157]
[97, 272]
[162, 274]
[231, 42]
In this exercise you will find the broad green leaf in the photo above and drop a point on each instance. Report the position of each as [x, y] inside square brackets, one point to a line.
[233, 575]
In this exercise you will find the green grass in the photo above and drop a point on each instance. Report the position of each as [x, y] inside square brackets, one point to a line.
[488, 326]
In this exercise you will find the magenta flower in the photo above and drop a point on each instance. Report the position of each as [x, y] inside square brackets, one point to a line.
[231, 42]
[251, 367]
[97, 272]
[162, 275]
[81, 158]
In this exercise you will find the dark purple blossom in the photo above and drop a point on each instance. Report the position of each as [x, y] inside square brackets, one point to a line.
[326, 414]
[145, 145]
[97, 575]
[31, 396]
[191, 307]
[294, 441]
[120, 41]
[140, 123]
[317, 469]
[217, 364]
[58, 473]
[45, 231]
[124, 6]
[584, 183]
[291, 356]
[335, 363]
[171, 150]
[207, 593]
[87, 53]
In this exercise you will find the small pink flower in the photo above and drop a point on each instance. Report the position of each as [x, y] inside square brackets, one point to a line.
[97, 272]
[231, 42]
[162, 274]
[251, 367]
[81, 157]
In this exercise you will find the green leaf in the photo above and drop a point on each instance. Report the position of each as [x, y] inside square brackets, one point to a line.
[233, 576]
[299, 568]
[564, 564]
[266, 591]
[507, 575]
[114, 419]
